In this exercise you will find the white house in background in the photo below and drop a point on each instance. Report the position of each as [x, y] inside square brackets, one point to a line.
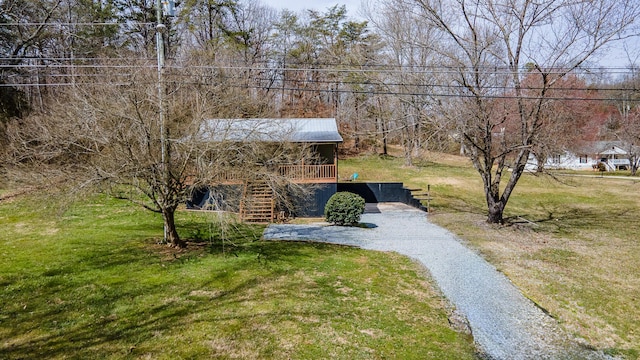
[609, 153]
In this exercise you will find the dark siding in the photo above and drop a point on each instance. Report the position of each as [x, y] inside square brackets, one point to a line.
[326, 153]
[227, 198]
[313, 205]
[222, 197]
[382, 192]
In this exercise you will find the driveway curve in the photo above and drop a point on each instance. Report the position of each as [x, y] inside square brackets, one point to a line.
[504, 323]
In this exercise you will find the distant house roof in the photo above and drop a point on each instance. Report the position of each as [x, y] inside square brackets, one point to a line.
[315, 130]
[604, 148]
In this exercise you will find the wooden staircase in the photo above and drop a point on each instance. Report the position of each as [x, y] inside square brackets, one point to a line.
[258, 204]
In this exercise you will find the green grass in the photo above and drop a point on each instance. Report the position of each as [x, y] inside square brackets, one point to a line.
[91, 282]
[444, 175]
[572, 246]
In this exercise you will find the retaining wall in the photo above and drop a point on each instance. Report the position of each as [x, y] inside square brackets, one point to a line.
[227, 197]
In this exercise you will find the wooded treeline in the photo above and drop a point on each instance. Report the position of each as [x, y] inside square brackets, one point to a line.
[381, 78]
[497, 80]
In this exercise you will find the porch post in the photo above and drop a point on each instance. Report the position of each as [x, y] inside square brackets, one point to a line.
[335, 161]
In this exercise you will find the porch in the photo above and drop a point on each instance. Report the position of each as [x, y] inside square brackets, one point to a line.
[614, 164]
[310, 157]
[301, 174]
[307, 174]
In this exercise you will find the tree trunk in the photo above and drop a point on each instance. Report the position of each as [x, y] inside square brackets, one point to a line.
[356, 137]
[542, 160]
[495, 213]
[385, 150]
[407, 146]
[633, 165]
[171, 233]
[495, 207]
[408, 151]
[496, 202]
[382, 129]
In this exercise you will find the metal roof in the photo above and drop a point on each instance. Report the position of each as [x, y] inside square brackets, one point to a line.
[314, 130]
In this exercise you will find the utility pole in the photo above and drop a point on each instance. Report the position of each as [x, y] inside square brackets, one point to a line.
[164, 167]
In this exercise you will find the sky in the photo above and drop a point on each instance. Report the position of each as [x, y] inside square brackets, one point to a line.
[321, 5]
[614, 58]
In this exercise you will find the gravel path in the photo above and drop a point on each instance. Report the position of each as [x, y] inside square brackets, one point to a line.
[504, 324]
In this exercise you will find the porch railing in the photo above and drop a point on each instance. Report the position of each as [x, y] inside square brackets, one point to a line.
[297, 173]
[619, 161]
[309, 173]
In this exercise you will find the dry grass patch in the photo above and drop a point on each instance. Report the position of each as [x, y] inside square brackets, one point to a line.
[588, 284]
[573, 245]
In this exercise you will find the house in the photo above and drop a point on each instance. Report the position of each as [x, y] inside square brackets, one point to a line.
[588, 157]
[256, 197]
[614, 157]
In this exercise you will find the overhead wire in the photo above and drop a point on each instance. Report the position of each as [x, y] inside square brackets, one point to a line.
[316, 67]
[281, 80]
[379, 92]
[382, 72]
[76, 23]
[324, 67]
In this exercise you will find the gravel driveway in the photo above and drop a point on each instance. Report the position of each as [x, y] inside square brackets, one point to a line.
[505, 324]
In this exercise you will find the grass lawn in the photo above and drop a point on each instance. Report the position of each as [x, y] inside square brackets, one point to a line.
[91, 282]
[573, 246]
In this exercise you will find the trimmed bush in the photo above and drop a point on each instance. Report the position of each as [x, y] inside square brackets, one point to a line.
[344, 208]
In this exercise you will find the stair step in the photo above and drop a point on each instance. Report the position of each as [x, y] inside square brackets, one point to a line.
[258, 203]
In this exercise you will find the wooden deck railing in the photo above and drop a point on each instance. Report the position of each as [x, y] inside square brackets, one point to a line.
[309, 173]
[297, 173]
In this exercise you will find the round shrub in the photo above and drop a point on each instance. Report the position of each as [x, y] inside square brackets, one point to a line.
[344, 208]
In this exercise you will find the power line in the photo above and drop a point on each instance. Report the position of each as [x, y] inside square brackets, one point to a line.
[63, 66]
[342, 91]
[75, 24]
[377, 80]
[87, 59]
[306, 81]
[357, 68]
[434, 95]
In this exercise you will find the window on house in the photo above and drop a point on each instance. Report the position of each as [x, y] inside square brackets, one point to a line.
[556, 159]
[583, 159]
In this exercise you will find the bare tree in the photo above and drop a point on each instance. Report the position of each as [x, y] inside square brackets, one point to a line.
[409, 50]
[564, 119]
[488, 43]
[111, 136]
[625, 122]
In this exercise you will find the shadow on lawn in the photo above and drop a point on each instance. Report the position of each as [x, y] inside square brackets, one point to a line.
[117, 302]
[566, 218]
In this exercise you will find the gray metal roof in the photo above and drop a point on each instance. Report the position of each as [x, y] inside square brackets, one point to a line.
[315, 130]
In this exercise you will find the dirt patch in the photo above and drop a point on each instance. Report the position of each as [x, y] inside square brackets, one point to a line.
[207, 294]
[168, 253]
[12, 195]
